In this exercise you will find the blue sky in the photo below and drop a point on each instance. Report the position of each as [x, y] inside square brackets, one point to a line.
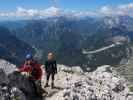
[27, 9]
[79, 5]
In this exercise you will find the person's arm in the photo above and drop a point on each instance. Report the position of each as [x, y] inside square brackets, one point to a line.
[55, 66]
[22, 68]
[46, 66]
[25, 69]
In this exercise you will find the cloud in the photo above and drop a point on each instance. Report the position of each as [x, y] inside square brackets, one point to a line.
[49, 12]
[106, 10]
[52, 11]
[31, 13]
[26, 13]
[125, 9]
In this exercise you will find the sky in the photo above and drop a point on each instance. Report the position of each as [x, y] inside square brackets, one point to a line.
[79, 5]
[41, 8]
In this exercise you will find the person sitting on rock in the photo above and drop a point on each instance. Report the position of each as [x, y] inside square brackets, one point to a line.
[32, 67]
[50, 69]
[34, 71]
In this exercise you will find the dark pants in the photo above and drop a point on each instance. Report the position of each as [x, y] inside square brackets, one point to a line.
[52, 75]
[36, 85]
[33, 84]
[38, 90]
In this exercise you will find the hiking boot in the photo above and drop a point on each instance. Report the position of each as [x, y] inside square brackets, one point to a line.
[52, 85]
[42, 91]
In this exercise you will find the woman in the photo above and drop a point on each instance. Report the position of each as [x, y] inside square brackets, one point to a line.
[50, 69]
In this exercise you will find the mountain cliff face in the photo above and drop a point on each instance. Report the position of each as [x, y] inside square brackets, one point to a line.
[11, 48]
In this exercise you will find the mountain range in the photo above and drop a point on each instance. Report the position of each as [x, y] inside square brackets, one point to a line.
[68, 37]
[11, 48]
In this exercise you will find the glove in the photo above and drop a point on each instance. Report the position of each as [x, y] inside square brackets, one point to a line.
[17, 71]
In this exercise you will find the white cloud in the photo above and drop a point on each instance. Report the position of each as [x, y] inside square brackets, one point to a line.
[26, 13]
[52, 11]
[125, 9]
[31, 13]
[106, 10]
[49, 12]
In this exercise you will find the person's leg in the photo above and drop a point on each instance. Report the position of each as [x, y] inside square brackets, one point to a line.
[53, 77]
[47, 79]
[33, 84]
[39, 87]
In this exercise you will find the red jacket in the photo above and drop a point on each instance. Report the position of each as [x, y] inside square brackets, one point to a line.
[36, 66]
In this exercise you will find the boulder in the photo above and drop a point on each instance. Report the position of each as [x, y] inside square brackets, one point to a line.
[8, 92]
[23, 83]
[72, 69]
[7, 66]
[15, 86]
[3, 77]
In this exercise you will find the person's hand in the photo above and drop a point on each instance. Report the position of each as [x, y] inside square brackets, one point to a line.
[16, 70]
[42, 66]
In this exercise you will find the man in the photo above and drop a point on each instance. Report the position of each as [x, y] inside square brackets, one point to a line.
[50, 69]
[32, 67]
[34, 72]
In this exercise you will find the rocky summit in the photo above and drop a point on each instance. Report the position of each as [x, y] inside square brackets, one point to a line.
[102, 84]
[71, 83]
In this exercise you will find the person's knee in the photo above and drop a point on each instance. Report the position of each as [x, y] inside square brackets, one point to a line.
[53, 76]
[48, 76]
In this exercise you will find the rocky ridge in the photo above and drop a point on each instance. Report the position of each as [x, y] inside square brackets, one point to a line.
[102, 84]
[72, 83]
